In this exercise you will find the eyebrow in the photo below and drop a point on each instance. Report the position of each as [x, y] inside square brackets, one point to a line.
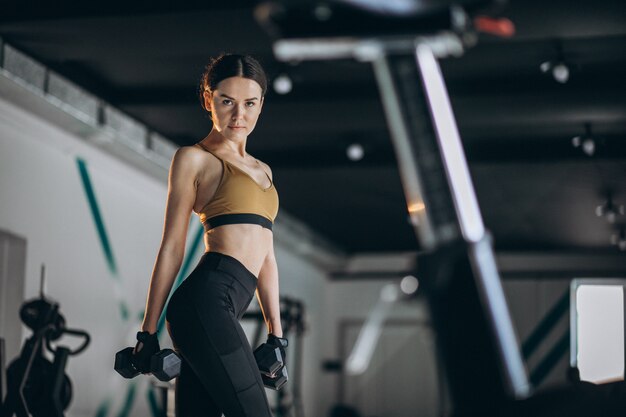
[227, 96]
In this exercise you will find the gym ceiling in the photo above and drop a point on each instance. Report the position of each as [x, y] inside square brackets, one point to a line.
[537, 190]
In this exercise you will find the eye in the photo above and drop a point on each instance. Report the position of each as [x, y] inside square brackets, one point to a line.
[250, 103]
[227, 102]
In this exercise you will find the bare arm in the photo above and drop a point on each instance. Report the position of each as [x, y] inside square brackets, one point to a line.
[268, 295]
[180, 199]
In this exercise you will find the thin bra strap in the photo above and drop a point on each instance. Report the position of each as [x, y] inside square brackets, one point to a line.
[263, 169]
[209, 151]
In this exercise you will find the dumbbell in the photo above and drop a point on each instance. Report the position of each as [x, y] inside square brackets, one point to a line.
[277, 381]
[271, 365]
[165, 364]
[268, 359]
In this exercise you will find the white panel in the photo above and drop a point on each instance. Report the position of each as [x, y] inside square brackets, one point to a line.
[600, 315]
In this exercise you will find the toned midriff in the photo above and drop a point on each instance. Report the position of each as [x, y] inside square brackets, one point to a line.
[248, 243]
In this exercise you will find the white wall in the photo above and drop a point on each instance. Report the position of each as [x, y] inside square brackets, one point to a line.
[351, 301]
[43, 200]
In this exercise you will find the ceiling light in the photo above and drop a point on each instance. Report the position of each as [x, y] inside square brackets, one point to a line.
[586, 142]
[409, 284]
[558, 69]
[545, 66]
[588, 145]
[355, 152]
[560, 72]
[610, 210]
[619, 239]
[283, 84]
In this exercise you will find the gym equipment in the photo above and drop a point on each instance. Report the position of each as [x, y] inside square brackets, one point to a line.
[440, 198]
[268, 359]
[164, 364]
[276, 381]
[124, 364]
[271, 364]
[457, 268]
[35, 386]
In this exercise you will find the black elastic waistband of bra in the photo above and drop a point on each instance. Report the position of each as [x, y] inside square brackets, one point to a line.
[238, 218]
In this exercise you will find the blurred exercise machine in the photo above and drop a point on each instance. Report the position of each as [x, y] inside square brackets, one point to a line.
[36, 386]
[403, 41]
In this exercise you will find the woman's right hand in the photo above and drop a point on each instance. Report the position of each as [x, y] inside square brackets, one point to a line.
[147, 345]
[279, 342]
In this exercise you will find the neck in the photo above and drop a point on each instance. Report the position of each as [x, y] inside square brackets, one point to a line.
[218, 141]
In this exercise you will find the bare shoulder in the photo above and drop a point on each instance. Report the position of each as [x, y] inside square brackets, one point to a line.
[194, 158]
[185, 152]
[189, 153]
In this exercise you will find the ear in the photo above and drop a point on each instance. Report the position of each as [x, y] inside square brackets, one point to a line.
[207, 100]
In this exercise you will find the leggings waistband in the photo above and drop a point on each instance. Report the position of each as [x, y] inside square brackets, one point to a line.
[220, 262]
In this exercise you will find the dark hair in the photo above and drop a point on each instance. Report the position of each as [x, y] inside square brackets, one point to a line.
[230, 65]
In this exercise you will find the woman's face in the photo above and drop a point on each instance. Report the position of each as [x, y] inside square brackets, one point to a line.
[235, 106]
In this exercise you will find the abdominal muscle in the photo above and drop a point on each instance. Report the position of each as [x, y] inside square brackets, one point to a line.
[248, 243]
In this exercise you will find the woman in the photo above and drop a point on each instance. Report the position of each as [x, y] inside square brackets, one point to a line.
[234, 195]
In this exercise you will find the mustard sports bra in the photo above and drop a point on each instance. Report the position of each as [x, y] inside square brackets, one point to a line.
[239, 199]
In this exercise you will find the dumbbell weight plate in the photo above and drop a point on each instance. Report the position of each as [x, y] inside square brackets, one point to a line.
[278, 381]
[268, 359]
[123, 363]
[165, 364]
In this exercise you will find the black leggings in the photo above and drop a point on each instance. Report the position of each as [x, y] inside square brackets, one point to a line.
[219, 373]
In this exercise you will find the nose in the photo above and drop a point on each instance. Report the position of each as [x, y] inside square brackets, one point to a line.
[237, 112]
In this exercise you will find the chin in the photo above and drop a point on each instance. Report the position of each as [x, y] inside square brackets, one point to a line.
[236, 135]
